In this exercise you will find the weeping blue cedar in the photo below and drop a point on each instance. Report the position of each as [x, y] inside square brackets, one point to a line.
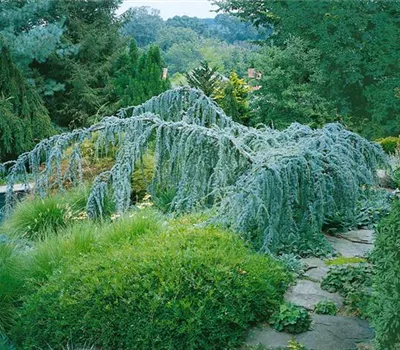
[274, 187]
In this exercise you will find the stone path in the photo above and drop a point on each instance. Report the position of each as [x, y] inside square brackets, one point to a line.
[328, 332]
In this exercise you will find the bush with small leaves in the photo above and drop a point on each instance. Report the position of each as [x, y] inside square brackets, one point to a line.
[326, 307]
[385, 304]
[188, 287]
[291, 318]
[11, 285]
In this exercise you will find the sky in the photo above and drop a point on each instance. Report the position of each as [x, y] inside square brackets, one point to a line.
[171, 8]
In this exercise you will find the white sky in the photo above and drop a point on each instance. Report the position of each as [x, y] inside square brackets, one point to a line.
[171, 8]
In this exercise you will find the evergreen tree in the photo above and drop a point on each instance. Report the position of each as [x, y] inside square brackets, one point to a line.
[66, 47]
[24, 119]
[31, 30]
[232, 97]
[138, 77]
[91, 27]
[358, 45]
[292, 86]
[205, 78]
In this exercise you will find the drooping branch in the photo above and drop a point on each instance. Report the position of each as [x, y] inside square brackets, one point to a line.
[274, 187]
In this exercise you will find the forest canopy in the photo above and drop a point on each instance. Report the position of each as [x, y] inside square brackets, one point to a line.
[350, 48]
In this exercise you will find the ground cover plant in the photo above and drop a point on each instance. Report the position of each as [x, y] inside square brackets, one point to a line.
[291, 318]
[185, 286]
[326, 307]
[353, 283]
[345, 260]
[276, 188]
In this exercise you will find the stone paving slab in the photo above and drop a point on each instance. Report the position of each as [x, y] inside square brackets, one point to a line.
[315, 268]
[347, 248]
[360, 236]
[313, 262]
[308, 294]
[328, 333]
[317, 274]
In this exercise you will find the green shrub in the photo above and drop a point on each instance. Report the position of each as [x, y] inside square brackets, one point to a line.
[291, 318]
[35, 218]
[389, 144]
[385, 305]
[353, 283]
[198, 288]
[326, 307]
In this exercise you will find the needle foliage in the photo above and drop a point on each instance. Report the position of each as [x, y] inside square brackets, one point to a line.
[276, 188]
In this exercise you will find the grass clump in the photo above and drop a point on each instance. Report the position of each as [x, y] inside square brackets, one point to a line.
[184, 288]
[23, 272]
[291, 319]
[33, 217]
[85, 238]
[11, 285]
[36, 218]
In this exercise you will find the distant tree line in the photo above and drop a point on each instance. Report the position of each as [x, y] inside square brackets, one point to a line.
[223, 41]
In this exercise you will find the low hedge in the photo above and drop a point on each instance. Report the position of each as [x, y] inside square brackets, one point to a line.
[385, 306]
[186, 288]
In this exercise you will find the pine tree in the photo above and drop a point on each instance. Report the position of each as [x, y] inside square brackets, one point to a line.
[67, 48]
[205, 78]
[138, 77]
[24, 119]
